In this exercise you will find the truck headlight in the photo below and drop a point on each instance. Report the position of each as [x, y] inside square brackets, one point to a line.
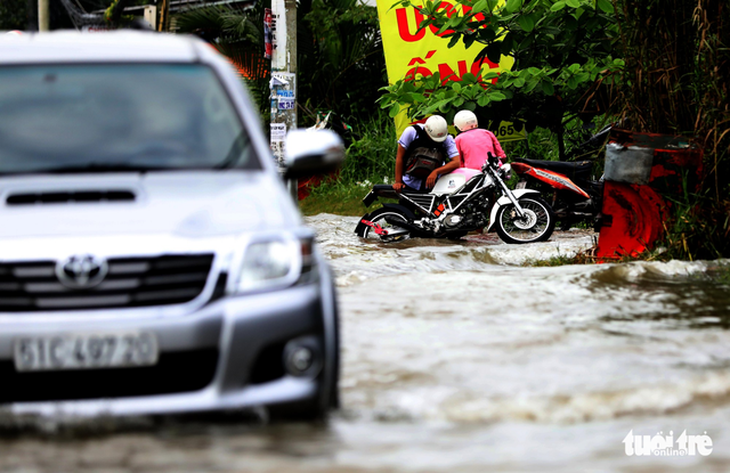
[274, 263]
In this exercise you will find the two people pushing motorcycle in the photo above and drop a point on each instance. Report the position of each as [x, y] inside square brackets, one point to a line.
[468, 200]
[426, 151]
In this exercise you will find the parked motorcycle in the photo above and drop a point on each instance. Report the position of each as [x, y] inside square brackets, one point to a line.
[461, 201]
[568, 186]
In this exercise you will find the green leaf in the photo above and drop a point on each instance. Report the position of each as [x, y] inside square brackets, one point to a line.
[547, 87]
[526, 22]
[455, 21]
[486, 34]
[573, 3]
[530, 85]
[480, 6]
[469, 106]
[557, 6]
[452, 42]
[430, 110]
[605, 5]
[483, 100]
[514, 5]
[494, 52]
[497, 96]
[572, 83]
[468, 78]
[458, 101]
[456, 86]
[394, 109]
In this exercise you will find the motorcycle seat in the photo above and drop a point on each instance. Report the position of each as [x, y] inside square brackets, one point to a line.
[384, 190]
[574, 170]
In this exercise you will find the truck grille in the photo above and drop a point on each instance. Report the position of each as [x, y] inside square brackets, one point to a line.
[130, 282]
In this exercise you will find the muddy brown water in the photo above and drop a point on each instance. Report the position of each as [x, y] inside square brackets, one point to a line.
[457, 358]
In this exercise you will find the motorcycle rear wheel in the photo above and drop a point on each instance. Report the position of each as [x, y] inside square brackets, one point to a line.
[378, 217]
[537, 224]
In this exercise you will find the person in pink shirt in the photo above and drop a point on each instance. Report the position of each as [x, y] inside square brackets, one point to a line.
[474, 144]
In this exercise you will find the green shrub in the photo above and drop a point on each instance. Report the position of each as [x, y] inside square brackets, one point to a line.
[370, 160]
[372, 156]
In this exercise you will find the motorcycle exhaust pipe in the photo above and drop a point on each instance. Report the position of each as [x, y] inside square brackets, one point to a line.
[404, 225]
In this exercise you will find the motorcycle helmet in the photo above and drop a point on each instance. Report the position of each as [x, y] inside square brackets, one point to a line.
[437, 128]
[465, 120]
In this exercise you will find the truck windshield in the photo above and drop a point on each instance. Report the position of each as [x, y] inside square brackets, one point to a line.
[100, 118]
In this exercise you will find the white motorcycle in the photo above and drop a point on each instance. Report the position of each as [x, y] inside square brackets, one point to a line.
[461, 201]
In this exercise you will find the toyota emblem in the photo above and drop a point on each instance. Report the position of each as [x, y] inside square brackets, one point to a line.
[81, 271]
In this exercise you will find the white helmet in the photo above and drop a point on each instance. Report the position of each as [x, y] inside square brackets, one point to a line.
[465, 120]
[437, 128]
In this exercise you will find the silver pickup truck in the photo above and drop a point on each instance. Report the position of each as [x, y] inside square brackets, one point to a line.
[151, 258]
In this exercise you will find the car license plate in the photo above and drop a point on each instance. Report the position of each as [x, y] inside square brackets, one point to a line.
[85, 351]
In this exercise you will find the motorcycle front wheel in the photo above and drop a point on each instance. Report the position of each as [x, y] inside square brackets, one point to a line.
[537, 223]
[386, 220]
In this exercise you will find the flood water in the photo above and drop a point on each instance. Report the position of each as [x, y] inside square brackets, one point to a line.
[456, 358]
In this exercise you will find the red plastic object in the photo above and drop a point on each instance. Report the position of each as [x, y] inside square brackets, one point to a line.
[634, 212]
[306, 185]
[633, 216]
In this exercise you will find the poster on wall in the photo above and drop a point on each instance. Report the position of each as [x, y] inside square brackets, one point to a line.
[268, 33]
[407, 49]
[283, 101]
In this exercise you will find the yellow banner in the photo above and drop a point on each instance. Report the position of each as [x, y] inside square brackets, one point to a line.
[407, 49]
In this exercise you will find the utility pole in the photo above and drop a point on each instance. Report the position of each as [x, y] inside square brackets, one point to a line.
[283, 79]
[164, 14]
[44, 16]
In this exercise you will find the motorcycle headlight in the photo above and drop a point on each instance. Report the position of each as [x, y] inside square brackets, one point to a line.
[506, 171]
[274, 263]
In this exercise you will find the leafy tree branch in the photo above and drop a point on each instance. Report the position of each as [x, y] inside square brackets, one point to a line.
[565, 65]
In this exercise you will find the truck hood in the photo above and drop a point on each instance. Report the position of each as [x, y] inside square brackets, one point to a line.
[187, 204]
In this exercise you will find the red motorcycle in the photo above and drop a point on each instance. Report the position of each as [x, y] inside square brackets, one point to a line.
[568, 186]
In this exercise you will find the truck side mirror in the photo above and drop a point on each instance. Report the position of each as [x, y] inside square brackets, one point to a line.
[311, 152]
